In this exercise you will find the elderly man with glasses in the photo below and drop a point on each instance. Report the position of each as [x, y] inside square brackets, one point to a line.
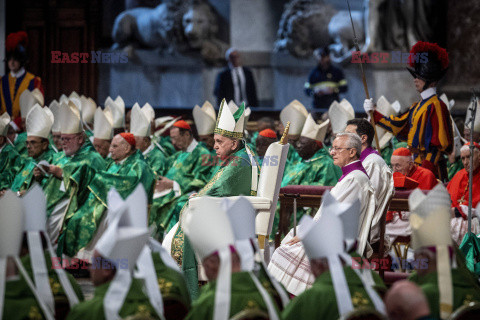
[353, 184]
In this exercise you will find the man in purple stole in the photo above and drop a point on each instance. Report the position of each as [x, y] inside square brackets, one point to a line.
[289, 264]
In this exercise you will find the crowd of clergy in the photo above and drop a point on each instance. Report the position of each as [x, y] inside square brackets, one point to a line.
[168, 214]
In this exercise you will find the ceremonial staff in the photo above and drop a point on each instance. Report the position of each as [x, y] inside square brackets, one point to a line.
[473, 112]
[364, 79]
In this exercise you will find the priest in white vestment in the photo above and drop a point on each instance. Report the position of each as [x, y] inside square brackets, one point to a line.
[289, 263]
[380, 174]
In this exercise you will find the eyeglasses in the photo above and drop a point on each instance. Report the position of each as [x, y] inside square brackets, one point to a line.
[336, 149]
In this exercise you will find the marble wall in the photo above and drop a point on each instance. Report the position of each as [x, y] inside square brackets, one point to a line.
[251, 26]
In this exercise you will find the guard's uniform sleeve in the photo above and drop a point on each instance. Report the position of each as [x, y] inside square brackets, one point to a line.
[398, 125]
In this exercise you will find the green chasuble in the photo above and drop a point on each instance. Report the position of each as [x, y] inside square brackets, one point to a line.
[387, 154]
[61, 300]
[24, 178]
[191, 171]
[10, 163]
[319, 170]
[78, 171]
[136, 304]
[453, 168]
[80, 225]
[234, 178]
[293, 158]
[322, 296]
[172, 286]
[252, 141]
[244, 297]
[20, 303]
[470, 247]
[465, 290]
[52, 187]
[166, 143]
[156, 159]
[262, 276]
[21, 144]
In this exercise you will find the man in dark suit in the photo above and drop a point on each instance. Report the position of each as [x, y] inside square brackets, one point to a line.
[236, 82]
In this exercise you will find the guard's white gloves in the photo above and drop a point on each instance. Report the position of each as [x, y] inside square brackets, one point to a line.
[368, 106]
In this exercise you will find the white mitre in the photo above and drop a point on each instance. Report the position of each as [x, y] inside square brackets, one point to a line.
[297, 114]
[313, 130]
[204, 118]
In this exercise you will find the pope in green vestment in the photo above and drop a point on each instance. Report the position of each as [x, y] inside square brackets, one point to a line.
[465, 289]
[232, 178]
[191, 172]
[81, 224]
[322, 296]
[25, 178]
[136, 304]
[244, 297]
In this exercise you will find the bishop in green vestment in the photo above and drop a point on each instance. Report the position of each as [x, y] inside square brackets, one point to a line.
[211, 234]
[322, 296]
[465, 286]
[124, 175]
[20, 303]
[26, 177]
[61, 301]
[172, 285]
[245, 298]
[38, 124]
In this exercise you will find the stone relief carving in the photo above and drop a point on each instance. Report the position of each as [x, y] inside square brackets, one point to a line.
[172, 26]
[303, 27]
[380, 25]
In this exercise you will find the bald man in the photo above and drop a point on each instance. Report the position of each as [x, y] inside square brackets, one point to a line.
[129, 169]
[406, 301]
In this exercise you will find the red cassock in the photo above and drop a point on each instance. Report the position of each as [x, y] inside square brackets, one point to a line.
[425, 178]
[458, 189]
